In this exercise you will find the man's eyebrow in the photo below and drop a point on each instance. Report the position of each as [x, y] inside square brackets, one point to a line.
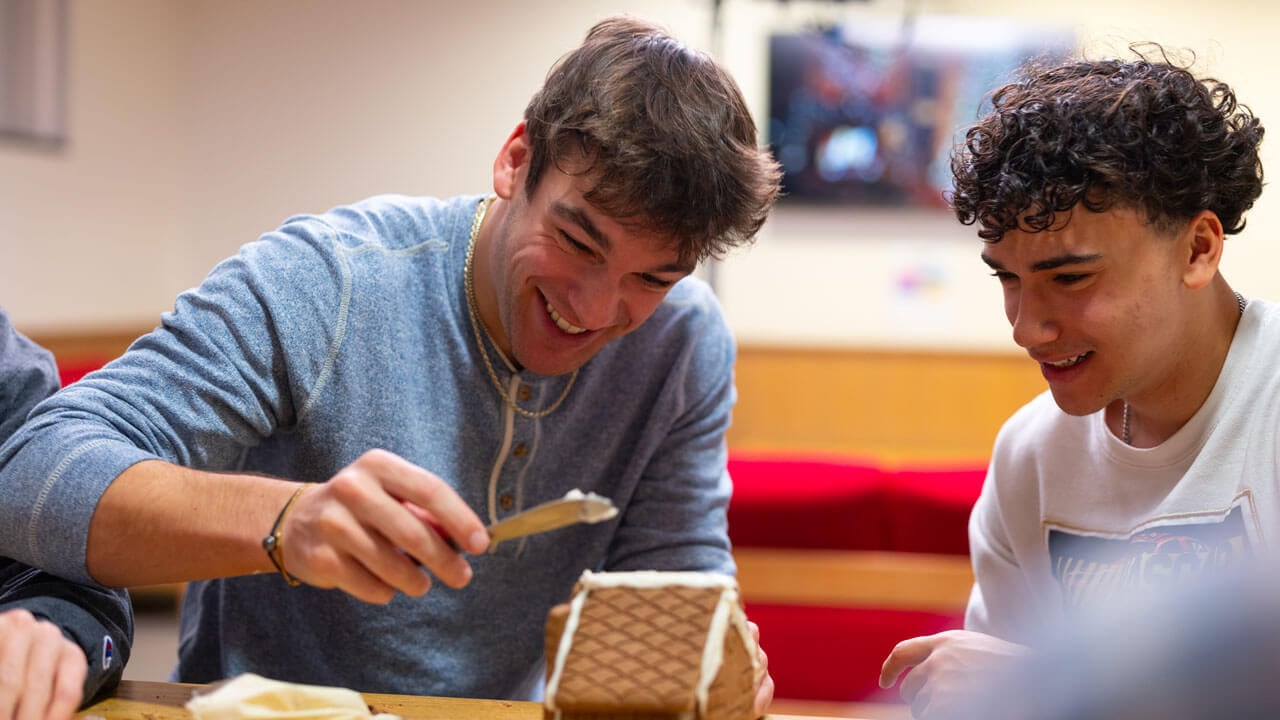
[1052, 263]
[579, 218]
[677, 267]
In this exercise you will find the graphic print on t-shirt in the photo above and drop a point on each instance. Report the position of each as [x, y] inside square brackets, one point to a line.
[1092, 569]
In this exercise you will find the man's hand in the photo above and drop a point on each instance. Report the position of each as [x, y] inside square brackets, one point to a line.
[764, 682]
[371, 530]
[41, 671]
[949, 669]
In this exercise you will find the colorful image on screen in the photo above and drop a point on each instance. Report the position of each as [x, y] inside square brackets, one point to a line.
[868, 112]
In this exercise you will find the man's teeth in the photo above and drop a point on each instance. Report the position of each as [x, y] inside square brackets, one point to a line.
[1068, 362]
[563, 324]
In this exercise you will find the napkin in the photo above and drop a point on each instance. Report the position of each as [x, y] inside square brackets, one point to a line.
[253, 697]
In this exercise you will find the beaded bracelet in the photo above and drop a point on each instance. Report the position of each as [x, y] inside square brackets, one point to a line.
[271, 543]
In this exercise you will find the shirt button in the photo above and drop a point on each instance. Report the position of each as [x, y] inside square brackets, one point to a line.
[520, 450]
[526, 392]
[506, 502]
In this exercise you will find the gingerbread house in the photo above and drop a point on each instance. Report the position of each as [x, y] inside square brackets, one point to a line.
[650, 645]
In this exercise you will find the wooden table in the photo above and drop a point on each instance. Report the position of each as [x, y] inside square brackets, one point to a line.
[142, 700]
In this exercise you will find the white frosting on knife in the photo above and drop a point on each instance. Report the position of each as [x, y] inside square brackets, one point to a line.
[597, 507]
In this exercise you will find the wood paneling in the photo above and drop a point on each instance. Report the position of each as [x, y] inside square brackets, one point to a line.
[892, 406]
[834, 578]
[74, 347]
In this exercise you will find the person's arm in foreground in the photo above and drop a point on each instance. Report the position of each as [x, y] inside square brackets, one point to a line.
[60, 643]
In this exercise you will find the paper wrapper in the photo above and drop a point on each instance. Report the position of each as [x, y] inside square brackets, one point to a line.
[252, 697]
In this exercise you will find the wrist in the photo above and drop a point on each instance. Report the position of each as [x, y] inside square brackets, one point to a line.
[273, 543]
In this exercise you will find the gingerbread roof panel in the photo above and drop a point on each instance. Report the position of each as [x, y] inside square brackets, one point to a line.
[639, 648]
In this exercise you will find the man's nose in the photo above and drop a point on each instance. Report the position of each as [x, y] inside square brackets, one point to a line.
[599, 301]
[1032, 319]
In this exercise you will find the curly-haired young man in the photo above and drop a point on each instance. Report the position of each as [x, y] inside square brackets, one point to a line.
[412, 363]
[1103, 191]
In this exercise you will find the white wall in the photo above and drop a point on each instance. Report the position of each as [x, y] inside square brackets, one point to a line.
[91, 234]
[303, 105]
[197, 125]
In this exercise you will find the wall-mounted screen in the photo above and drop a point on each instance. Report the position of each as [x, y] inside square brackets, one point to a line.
[33, 59]
[867, 112]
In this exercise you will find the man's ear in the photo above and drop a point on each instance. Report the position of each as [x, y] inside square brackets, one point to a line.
[512, 163]
[1204, 238]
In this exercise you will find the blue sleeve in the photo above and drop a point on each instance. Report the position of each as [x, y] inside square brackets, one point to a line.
[678, 517]
[232, 363]
[27, 376]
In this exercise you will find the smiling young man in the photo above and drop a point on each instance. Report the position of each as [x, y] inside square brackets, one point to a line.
[1104, 191]
[419, 363]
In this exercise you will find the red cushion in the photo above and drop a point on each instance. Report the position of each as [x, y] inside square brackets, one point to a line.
[803, 502]
[835, 654]
[806, 503]
[928, 510]
[69, 372]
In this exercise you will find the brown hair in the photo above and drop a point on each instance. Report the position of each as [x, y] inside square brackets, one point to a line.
[663, 130]
[1145, 134]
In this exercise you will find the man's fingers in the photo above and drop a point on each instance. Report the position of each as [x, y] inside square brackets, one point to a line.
[383, 561]
[424, 544]
[69, 683]
[763, 681]
[356, 580]
[408, 482]
[368, 515]
[946, 668]
[904, 655]
[41, 671]
[764, 696]
[15, 645]
[384, 535]
[42, 654]
[359, 560]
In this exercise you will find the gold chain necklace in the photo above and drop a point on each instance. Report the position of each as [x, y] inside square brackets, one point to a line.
[482, 332]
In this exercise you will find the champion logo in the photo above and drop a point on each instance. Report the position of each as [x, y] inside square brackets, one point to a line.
[108, 652]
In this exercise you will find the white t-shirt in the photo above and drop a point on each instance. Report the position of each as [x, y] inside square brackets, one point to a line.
[1070, 517]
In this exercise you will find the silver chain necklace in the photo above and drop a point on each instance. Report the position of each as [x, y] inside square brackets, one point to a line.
[1124, 413]
[482, 332]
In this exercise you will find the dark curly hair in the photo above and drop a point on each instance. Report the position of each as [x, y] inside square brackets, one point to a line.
[666, 135]
[1142, 134]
